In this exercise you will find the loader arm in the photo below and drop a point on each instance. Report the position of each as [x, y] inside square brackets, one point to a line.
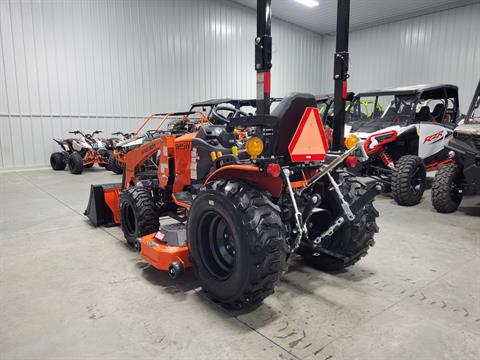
[136, 157]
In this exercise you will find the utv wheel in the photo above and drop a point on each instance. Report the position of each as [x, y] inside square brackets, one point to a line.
[75, 163]
[57, 161]
[237, 243]
[409, 180]
[113, 165]
[138, 215]
[351, 241]
[446, 194]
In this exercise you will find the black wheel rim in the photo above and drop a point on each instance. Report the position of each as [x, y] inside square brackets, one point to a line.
[216, 245]
[417, 180]
[129, 219]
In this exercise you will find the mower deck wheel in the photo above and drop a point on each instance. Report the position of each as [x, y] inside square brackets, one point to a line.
[75, 163]
[409, 180]
[57, 161]
[237, 243]
[138, 215]
[446, 195]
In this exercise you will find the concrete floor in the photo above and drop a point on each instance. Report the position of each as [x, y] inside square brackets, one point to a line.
[68, 290]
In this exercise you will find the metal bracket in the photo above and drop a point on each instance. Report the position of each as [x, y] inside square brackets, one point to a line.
[329, 232]
[345, 206]
[298, 215]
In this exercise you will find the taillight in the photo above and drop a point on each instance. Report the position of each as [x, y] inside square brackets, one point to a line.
[274, 170]
[351, 161]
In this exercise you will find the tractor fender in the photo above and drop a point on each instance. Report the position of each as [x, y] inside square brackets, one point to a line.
[250, 174]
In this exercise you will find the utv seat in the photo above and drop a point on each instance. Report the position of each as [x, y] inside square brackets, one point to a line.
[437, 112]
[423, 115]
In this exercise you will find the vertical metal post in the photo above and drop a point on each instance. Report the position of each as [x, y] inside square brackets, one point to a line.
[263, 55]
[340, 73]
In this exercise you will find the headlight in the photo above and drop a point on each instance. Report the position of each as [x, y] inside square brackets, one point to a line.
[351, 141]
[254, 147]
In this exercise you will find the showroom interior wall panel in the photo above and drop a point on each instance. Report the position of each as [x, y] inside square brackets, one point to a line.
[442, 47]
[67, 65]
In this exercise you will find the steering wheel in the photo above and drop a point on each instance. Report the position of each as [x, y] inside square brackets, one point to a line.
[220, 119]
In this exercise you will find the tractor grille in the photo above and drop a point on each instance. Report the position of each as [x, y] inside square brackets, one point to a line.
[476, 142]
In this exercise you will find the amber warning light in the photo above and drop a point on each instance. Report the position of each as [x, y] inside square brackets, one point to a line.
[309, 142]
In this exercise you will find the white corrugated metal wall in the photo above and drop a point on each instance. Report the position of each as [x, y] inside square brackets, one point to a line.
[67, 65]
[442, 47]
[105, 64]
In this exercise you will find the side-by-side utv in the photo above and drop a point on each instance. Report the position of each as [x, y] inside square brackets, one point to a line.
[462, 177]
[408, 138]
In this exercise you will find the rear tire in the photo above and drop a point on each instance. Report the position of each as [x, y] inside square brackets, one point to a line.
[138, 215]
[75, 163]
[237, 243]
[352, 240]
[113, 165]
[446, 197]
[409, 180]
[57, 161]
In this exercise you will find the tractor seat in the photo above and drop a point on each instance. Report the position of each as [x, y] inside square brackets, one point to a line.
[289, 113]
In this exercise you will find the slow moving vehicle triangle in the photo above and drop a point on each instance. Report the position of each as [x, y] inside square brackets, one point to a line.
[309, 142]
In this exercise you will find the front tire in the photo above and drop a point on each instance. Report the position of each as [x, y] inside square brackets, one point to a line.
[75, 163]
[446, 195]
[237, 243]
[409, 180]
[352, 240]
[113, 165]
[57, 161]
[138, 215]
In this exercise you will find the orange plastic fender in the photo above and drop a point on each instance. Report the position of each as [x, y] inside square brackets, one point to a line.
[250, 174]
[160, 255]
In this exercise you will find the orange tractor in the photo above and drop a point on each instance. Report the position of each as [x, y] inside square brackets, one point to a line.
[245, 193]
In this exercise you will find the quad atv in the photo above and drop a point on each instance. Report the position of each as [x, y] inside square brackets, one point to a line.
[462, 177]
[79, 153]
[406, 140]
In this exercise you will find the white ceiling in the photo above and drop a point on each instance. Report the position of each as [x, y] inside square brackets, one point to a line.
[363, 13]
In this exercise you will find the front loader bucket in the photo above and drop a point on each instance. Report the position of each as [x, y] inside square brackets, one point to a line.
[104, 205]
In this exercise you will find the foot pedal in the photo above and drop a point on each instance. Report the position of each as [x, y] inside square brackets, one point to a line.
[184, 197]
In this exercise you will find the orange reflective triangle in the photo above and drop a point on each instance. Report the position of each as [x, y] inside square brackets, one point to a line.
[309, 142]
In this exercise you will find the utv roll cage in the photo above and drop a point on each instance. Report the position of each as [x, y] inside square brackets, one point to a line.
[418, 93]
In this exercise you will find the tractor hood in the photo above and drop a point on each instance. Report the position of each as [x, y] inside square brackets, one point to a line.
[366, 134]
[468, 129]
[370, 126]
